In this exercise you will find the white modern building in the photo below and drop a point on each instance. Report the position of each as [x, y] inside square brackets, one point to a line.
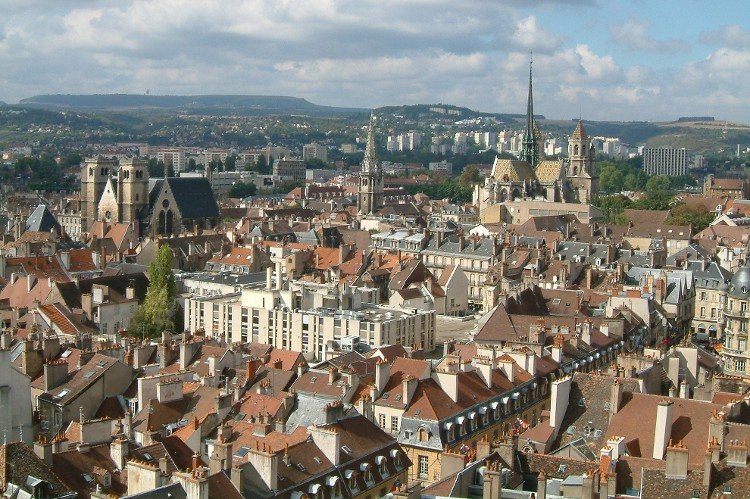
[306, 317]
[665, 161]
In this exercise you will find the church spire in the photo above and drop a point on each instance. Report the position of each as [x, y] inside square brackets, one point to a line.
[370, 162]
[529, 146]
[370, 197]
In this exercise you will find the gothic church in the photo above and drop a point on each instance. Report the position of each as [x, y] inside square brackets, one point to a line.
[154, 206]
[533, 176]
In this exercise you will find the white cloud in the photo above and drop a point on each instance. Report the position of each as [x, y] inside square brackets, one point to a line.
[634, 34]
[370, 53]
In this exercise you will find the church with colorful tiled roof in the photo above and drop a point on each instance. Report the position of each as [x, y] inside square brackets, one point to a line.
[532, 176]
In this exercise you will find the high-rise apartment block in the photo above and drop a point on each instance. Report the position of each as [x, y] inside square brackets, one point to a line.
[665, 161]
[315, 151]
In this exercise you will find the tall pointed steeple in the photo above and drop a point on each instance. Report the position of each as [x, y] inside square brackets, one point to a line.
[371, 163]
[529, 146]
[370, 197]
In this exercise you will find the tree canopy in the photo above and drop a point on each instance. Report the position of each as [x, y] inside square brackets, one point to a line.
[159, 311]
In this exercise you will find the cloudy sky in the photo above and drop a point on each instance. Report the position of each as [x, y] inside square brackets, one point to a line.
[599, 59]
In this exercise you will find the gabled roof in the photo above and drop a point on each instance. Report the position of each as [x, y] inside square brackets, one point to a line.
[42, 220]
[636, 420]
[194, 197]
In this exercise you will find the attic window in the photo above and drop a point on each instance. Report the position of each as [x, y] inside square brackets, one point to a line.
[582, 402]
[89, 374]
[562, 469]
[147, 456]
[385, 395]
[240, 416]
[301, 467]
[398, 397]
[66, 354]
[346, 449]
[87, 478]
[63, 393]
[101, 363]
[242, 452]
[556, 301]
[318, 460]
[597, 433]
[571, 430]
[313, 379]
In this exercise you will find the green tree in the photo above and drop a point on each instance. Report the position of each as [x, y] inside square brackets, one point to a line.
[157, 312]
[241, 190]
[317, 164]
[698, 216]
[230, 163]
[469, 176]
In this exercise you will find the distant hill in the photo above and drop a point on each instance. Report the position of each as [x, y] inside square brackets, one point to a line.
[192, 104]
[416, 111]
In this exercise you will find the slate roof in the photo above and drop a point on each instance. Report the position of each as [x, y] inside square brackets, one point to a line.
[18, 461]
[588, 406]
[194, 197]
[42, 220]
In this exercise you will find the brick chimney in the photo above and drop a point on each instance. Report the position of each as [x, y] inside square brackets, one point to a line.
[677, 461]
[615, 397]
[55, 373]
[382, 374]
[663, 428]
[737, 453]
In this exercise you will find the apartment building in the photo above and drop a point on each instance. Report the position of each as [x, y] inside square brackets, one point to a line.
[735, 353]
[315, 151]
[665, 161]
[294, 168]
[309, 317]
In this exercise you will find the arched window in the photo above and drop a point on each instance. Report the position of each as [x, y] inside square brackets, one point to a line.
[575, 150]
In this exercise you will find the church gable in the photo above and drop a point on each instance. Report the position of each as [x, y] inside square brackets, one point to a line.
[109, 210]
[177, 204]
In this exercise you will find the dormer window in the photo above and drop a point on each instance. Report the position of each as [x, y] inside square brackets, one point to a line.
[382, 463]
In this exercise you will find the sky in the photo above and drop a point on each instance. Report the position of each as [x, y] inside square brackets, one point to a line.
[638, 60]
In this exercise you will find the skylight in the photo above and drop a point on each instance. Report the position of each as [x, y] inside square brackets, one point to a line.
[242, 452]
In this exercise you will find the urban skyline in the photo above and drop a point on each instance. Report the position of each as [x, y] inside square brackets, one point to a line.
[624, 60]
